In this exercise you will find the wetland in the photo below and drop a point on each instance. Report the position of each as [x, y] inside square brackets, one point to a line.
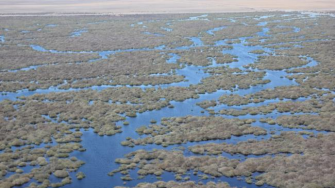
[168, 100]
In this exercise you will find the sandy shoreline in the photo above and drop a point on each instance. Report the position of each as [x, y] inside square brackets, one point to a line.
[124, 7]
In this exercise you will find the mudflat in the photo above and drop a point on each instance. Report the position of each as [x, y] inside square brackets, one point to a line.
[160, 6]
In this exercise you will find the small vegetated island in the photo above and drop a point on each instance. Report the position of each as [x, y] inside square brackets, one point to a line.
[174, 100]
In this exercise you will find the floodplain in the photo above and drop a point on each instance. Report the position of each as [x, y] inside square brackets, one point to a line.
[168, 100]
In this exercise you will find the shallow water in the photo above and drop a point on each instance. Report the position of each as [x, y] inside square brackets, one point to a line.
[211, 31]
[78, 33]
[154, 34]
[32, 67]
[196, 42]
[2, 38]
[166, 29]
[201, 17]
[51, 25]
[262, 23]
[264, 32]
[103, 54]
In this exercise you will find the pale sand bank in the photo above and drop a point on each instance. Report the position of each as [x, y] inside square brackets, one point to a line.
[160, 6]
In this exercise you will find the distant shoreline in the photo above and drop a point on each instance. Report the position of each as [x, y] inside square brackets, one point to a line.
[153, 13]
[135, 7]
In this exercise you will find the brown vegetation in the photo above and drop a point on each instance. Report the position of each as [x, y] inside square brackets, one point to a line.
[236, 31]
[308, 106]
[57, 165]
[188, 184]
[297, 170]
[128, 68]
[277, 62]
[202, 56]
[229, 81]
[284, 92]
[286, 142]
[193, 129]
[12, 60]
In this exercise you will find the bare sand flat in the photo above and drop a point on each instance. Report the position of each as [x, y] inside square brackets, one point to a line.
[160, 6]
